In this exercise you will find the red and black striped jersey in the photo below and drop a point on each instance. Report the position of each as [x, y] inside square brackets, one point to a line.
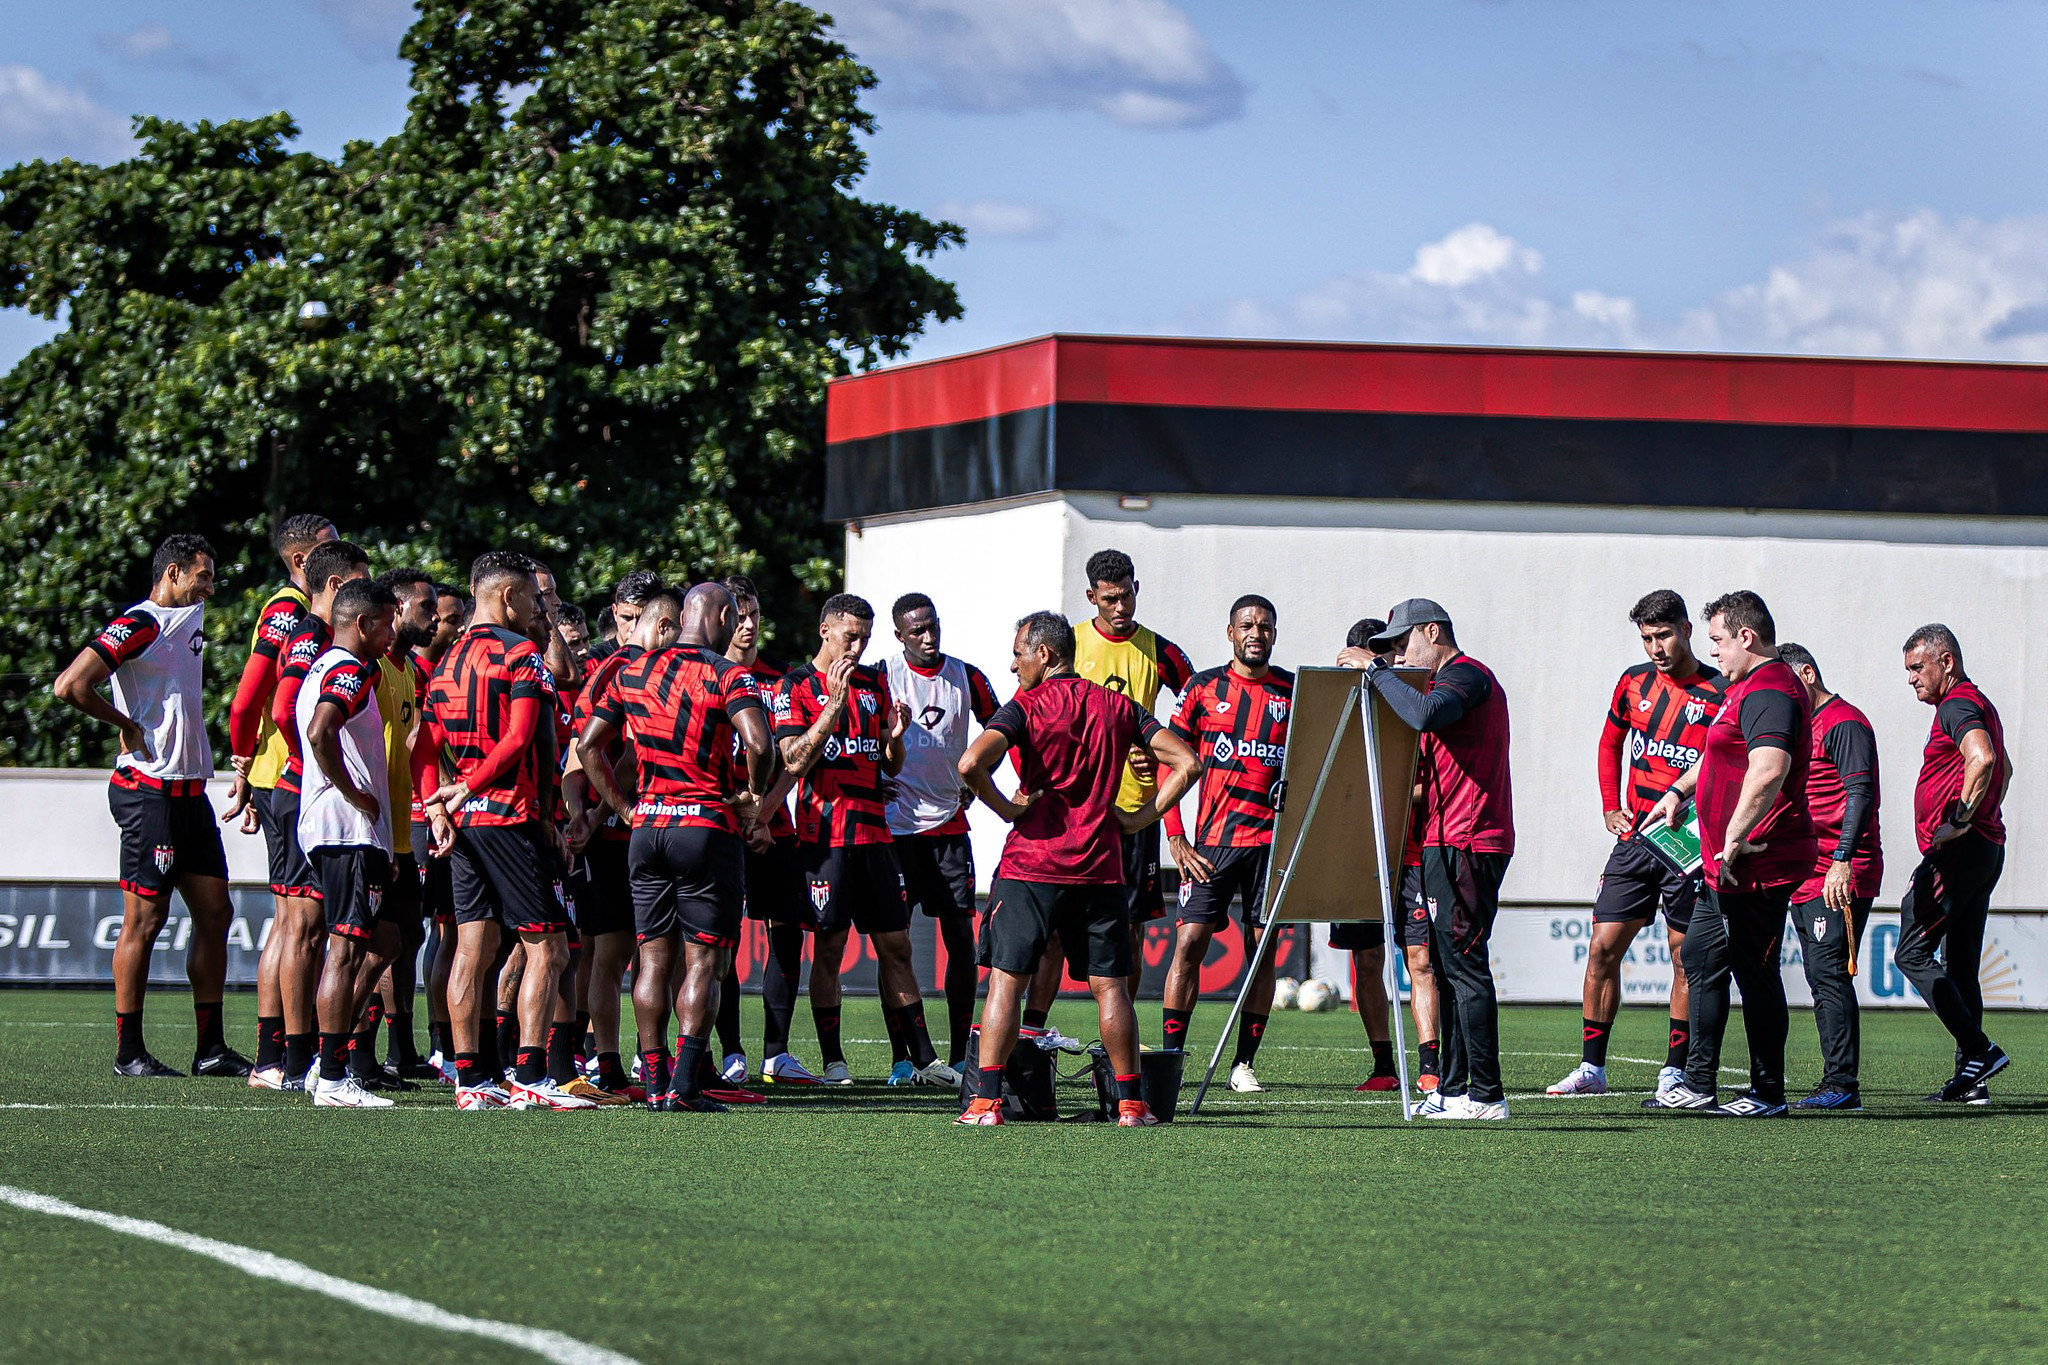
[595, 684]
[841, 800]
[768, 677]
[1660, 724]
[307, 644]
[469, 707]
[676, 706]
[1237, 726]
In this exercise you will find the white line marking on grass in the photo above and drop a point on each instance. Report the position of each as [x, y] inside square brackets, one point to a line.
[263, 1265]
[48, 1023]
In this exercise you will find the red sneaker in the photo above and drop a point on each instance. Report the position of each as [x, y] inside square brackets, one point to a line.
[982, 1113]
[1381, 1083]
[1135, 1114]
[727, 1093]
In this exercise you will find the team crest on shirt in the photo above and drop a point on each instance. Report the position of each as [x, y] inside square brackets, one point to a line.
[1276, 707]
[163, 855]
[821, 894]
[868, 703]
[932, 716]
[198, 644]
[1693, 711]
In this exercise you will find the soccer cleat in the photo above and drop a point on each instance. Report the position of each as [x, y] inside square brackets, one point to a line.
[1465, 1107]
[545, 1094]
[734, 1067]
[445, 1065]
[1957, 1093]
[1380, 1083]
[292, 1084]
[226, 1062]
[901, 1073]
[1831, 1097]
[585, 1090]
[1135, 1114]
[479, 1097]
[346, 1094]
[630, 1093]
[1585, 1079]
[1982, 1067]
[267, 1078]
[783, 1069]
[982, 1113]
[1680, 1096]
[145, 1065]
[672, 1103]
[1428, 1081]
[1749, 1105]
[1431, 1104]
[382, 1078]
[936, 1073]
[1669, 1077]
[725, 1092]
[836, 1073]
[1243, 1081]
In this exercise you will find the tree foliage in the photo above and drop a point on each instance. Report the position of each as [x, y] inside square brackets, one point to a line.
[584, 303]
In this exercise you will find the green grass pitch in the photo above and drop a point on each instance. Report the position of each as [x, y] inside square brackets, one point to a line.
[860, 1224]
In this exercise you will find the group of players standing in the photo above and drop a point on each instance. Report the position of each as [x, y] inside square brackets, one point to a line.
[576, 810]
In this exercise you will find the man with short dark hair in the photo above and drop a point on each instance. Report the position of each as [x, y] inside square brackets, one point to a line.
[153, 655]
[928, 807]
[1235, 720]
[1656, 724]
[437, 892]
[1756, 848]
[1832, 905]
[841, 732]
[401, 686]
[1062, 868]
[451, 613]
[1961, 831]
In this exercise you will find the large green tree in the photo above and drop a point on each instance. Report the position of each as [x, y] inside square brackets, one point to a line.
[584, 304]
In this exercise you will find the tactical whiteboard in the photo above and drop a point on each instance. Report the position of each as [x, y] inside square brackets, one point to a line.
[1327, 858]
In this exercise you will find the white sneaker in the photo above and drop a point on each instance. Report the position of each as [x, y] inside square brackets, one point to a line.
[1243, 1081]
[783, 1069]
[733, 1069]
[267, 1077]
[838, 1073]
[1670, 1078]
[545, 1094]
[938, 1073]
[1585, 1079]
[443, 1064]
[346, 1094]
[480, 1097]
[1431, 1105]
[1465, 1107]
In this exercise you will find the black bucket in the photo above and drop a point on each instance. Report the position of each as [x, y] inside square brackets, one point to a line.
[1029, 1083]
[1159, 1082]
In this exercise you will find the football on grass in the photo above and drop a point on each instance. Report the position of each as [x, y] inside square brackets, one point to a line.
[1285, 992]
[1316, 996]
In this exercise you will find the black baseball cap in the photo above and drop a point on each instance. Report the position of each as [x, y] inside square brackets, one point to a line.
[1406, 616]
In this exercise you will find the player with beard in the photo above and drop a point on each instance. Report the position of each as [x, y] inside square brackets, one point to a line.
[259, 753]
[680, 708]
[1656, 726]
[153, 655]
[302, 926]
[841, 731]
[928, 808]
[1235, 720]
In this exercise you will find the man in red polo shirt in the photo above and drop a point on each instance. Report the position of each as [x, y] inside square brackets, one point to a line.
[1956, 816]
[1756, 848]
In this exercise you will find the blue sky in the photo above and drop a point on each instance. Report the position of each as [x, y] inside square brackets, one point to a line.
[1858, 179]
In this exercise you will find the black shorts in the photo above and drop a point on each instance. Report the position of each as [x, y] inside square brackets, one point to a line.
[1411, 917]
[1636, 883]
[1142, 898]
[601, 889]
[278, 814]
[437, 886]
[689, 880]
[402, 905]
[167, 832]
[776, 891]
[938, 873]
[1237, 874]
[503, 874]
[857, 886]
[353, 879]
[1093, 923]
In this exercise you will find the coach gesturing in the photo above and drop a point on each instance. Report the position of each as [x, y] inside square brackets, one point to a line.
[1756, 847]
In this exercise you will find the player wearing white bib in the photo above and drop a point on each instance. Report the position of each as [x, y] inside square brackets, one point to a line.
[928, 810]
[154, 655]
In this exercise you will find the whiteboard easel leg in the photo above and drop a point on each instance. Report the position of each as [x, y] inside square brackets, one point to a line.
[1236, 1008]
[1390, 872]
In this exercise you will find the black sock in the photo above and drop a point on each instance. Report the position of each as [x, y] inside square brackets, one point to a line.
[1035, 1018]
[298, 1055]
[778, 986]
[1382, 1057]
[1681, 1039]
[899, 1046]
[1130, 1088]
[373, 1019]
[585, 1037]
[508, 1032]
[562, 1036]
[127, 1036]
[270, 1040]
[611, 1072]
[212, 1039]
[334, 1055]
[962, 983]
[1251, 1031]
[728, 1022]
[689, 1062]
[917, 1039]
[1175, 1030]
[493, 1055]
[531, 1066]
[1429, 1054]
[441, 1037]
[827, 1019]
[988, 1083]
[401, 1050]
[361, 1050]
[469, 1071]
[1593, 1041]
[654, 1070]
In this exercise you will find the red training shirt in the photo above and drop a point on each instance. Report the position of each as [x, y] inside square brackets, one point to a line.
[1071, 738]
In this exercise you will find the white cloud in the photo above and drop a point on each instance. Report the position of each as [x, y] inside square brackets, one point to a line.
[40, 118]
[1140, 63]
[149, 40]
[1000, 218]
[1884, 284]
